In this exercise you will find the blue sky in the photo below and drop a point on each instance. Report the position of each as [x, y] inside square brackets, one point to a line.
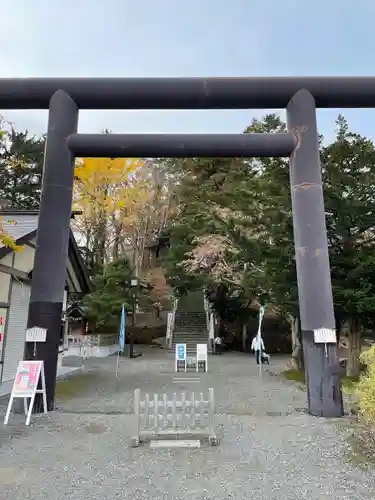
[187, 38]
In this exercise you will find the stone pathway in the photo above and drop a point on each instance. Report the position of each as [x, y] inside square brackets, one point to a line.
[269, 448]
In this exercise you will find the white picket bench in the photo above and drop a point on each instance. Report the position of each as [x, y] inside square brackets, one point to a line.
[165, 417]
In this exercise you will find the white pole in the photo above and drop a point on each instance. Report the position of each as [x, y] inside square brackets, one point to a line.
[259, 339]
[118, 361]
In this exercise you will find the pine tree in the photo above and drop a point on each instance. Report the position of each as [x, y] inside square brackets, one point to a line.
[21, 167]
[112, 289]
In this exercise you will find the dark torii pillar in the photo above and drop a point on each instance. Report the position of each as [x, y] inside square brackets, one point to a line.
[312, 259]
[52, 242]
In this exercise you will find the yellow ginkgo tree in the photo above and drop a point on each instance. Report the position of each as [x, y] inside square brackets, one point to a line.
[104, 188]
[146, 212]
[124, 204]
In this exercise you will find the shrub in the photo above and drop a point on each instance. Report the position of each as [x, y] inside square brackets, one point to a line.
[365, 389]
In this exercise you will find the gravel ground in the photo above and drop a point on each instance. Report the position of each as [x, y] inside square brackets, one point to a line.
[269, 448]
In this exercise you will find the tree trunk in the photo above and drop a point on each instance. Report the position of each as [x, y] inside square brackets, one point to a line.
[116, 243]
[88, 253]
[297, 351]
[222, 329]
[244, 338]
[354, 349]
[101, 240]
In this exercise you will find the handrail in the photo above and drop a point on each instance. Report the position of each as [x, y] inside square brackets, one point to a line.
[170, 324]
[207, 311]
[169, 328]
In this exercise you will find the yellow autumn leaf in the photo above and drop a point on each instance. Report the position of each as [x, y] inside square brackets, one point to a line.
[6, 128]
[5, 238]
[121, 203]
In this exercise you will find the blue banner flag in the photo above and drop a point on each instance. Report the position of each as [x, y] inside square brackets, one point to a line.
[122, 331]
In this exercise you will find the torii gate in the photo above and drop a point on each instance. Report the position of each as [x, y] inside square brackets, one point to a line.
[300, 95]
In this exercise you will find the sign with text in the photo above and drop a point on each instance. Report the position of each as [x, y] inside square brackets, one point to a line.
[325, 336]
[181, 352]
[27, 378]
[26, 386]
[180, 356]
[36, 334]
[202, 356]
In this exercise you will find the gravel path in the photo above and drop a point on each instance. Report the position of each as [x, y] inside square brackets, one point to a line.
[269, 448]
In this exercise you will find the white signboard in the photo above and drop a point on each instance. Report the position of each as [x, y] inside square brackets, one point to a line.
[180, 356]
[202, 356]
[26, 386]
[36, 334]
[325, 336]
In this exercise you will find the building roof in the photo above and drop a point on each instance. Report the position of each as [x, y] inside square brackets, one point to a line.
[22, 225]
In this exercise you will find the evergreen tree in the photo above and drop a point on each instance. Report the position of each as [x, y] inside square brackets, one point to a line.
[112, 289]
[21, 167]
[234, 232]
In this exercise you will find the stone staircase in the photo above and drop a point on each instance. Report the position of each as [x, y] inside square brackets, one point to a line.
[190, 326]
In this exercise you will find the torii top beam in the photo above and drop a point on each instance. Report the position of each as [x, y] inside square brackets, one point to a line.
[188, 93]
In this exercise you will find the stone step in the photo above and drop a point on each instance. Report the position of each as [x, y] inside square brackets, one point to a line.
[191, 319]
[200, 326]
[187, 336]
[182, 324]
[181, 314]
[188, 346]
[196, 314]
[191, 333]
[192, 328]
[189, 341]
[188, 333]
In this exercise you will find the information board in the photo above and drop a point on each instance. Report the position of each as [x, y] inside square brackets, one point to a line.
[181, 352]
[25, 386]
[36, 334]
[325, 336]
[180, 356]
[202, 356]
